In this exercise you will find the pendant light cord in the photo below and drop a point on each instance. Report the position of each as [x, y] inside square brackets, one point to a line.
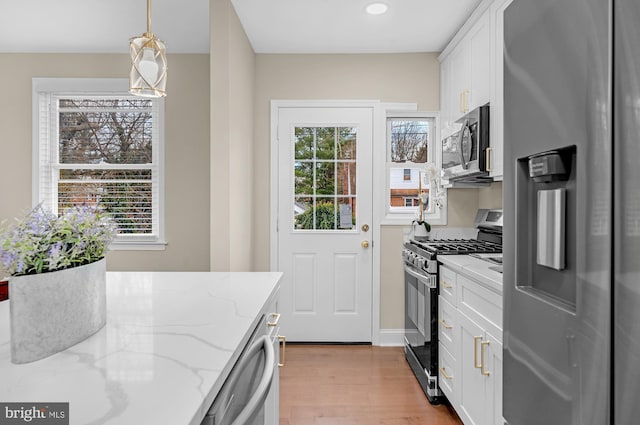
[149, 16]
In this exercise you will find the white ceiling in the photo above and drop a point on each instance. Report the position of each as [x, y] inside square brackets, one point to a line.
[273, 26]
[342, 26]
[101, 26]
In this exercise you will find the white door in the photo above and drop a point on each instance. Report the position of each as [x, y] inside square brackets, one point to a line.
[324, 218]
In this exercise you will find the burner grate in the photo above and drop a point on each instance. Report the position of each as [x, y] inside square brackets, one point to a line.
[458, 246]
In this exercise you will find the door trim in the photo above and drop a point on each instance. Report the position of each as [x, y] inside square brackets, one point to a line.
[276, 105]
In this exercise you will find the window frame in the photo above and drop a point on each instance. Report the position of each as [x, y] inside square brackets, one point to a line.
[405, 215]
[44, 142]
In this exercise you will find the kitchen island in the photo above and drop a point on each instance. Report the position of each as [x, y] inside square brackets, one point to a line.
[170, 341]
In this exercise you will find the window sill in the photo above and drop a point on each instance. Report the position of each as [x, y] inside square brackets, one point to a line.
[405, 220]
[137, 246]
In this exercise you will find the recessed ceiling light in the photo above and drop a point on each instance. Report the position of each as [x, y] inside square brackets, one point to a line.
[377, 8]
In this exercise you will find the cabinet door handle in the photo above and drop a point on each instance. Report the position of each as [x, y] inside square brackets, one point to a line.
[475, 352]
[445, 324]
[482, 355]
[445, 284]
[488, 159]
[444, 374]
[461, 102]
[466, 100]
[276, 318]
[283, 340]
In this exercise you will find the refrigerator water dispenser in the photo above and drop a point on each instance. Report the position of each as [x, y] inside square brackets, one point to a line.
[546, 208]
[551, 232]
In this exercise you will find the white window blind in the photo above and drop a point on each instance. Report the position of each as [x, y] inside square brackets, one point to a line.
[97, 148]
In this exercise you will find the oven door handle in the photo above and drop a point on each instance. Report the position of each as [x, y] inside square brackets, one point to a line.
[421, 277]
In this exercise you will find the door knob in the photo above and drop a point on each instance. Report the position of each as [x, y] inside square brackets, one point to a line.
[365, 244]
[365, 227]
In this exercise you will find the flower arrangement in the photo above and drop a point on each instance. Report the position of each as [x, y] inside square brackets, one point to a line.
[436, 194]
[422, 200]
[42, 241]
[421, 222]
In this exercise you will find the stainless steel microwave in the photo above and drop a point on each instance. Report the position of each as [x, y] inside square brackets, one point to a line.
[464, 153]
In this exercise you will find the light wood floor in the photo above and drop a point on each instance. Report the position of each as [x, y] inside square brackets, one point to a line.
[353, 385]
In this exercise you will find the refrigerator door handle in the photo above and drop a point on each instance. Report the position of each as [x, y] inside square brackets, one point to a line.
[571, 338]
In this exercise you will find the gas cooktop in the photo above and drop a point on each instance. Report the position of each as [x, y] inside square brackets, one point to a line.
[457, 246]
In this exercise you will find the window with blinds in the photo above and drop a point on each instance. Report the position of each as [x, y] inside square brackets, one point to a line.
[103, 149]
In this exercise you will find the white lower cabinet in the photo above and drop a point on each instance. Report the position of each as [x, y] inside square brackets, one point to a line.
[494, 381]
[448, 374]
[478, 364]
[447, 348]
[471, 351]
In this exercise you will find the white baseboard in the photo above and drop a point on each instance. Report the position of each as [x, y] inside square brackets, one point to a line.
[390, 338]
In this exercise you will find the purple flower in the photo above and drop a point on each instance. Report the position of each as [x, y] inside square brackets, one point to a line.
[43, 241]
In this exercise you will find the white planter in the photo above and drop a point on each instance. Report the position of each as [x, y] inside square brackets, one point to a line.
[54, 311]
[419, 232]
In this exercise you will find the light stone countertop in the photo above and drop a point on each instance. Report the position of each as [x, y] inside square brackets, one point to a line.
[170, 341]
[475, 269]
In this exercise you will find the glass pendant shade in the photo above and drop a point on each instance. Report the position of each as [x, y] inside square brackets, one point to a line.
[148, 75]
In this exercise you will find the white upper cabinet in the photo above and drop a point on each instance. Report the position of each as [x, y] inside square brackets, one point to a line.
[445, 101]
[497, 88]
[466, 69]
[479, 91]
[471, 76]
[460, 78]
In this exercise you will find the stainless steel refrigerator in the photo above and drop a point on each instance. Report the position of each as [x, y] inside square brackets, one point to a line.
[572, 212]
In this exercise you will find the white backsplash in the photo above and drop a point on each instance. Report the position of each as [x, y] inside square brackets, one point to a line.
[446, 232]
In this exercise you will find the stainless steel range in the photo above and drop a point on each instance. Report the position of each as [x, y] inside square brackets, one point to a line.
[421, 293]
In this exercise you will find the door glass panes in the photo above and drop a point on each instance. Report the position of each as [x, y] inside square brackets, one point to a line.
[303, 171]
[304, 143]
[324, 169]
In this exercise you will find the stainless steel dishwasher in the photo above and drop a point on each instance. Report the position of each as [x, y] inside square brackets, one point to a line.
[242, 396]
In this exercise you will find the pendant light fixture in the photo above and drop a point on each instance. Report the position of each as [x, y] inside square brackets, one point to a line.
[148, 77]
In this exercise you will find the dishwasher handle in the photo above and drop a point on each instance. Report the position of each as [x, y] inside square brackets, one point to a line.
[257, 399]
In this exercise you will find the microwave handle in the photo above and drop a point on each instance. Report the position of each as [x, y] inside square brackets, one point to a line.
[465, 129]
